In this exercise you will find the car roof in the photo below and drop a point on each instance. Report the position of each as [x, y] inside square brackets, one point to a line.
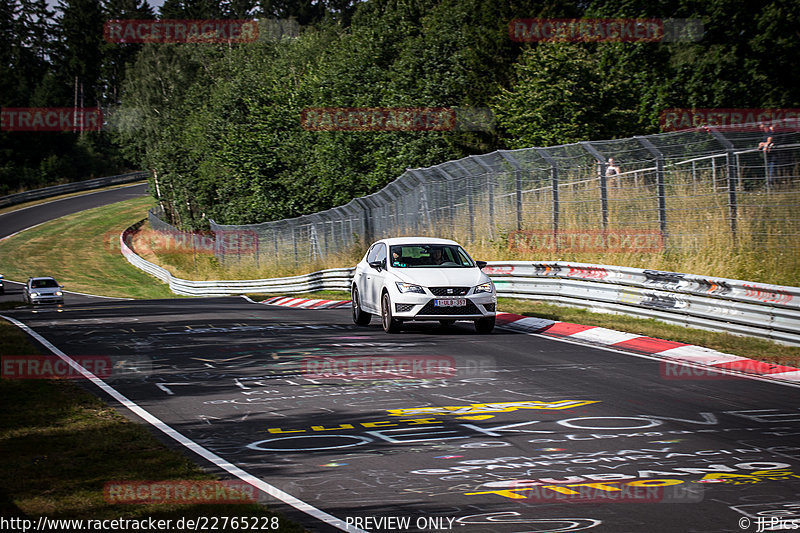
[41, 277]
[417, 240]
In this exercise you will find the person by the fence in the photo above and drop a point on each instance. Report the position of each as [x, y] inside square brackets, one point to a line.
[767, 145]
[613, 172]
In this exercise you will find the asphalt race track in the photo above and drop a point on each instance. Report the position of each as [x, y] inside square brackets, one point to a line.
[526, 434]
[438, 429]
[20, 219]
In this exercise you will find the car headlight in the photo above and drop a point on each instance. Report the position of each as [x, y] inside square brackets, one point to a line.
[409, 287]
[484, 287]
[59, 293]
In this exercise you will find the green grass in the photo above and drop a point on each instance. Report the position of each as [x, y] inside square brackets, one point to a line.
[61, 445]
[82, 252]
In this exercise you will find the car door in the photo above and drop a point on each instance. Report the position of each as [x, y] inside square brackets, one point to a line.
[375, 276]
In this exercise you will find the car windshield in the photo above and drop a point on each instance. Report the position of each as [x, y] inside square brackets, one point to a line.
[430, 256]
[43, 283]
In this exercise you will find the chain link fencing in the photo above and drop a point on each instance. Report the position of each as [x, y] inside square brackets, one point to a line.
[672, 191]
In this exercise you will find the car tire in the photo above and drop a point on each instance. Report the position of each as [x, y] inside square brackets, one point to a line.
[485, 325]
[390, 323]
[360, 317]
[446, 323]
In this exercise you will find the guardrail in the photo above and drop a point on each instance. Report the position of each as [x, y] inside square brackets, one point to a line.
[719, 304]
[331, 279]
[47, 192]
[735, 306]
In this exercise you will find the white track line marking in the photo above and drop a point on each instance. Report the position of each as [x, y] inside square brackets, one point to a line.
[188, 443]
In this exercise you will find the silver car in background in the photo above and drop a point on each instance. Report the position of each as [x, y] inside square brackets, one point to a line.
[43, 290]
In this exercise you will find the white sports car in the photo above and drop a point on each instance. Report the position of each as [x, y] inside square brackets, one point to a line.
[420, 278]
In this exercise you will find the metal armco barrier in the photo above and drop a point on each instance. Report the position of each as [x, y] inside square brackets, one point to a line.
[740, 307]
[47, 192]
[719, 304]
[332, 279]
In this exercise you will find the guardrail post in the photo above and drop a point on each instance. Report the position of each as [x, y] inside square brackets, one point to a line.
[731, 170]
[517, 183]
[662, 195]
[601, 160]
[554, 177]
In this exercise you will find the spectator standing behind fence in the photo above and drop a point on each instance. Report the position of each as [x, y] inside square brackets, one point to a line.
[766, 145]
[612, 171]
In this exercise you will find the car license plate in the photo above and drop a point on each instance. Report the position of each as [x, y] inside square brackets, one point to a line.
[455, 302]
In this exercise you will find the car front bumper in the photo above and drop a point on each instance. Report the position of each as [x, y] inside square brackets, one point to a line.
[416, 306]
[46, 299]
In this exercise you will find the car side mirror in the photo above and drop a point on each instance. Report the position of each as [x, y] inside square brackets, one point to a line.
[481, 264]
[376, 264]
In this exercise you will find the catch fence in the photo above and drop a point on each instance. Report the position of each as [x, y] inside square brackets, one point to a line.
[681, 191]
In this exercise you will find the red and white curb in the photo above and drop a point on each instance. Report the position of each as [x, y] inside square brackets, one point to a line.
[305, 303]
[669, 350]
[609, 338]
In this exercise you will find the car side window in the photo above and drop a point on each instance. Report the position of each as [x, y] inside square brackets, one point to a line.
[373, 253]
[381, 253]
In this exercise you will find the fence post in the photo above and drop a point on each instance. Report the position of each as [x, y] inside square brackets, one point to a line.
[517, 183]
[365, 212]
[554, 177]
[490, 191]
[468, 194]
[731, 170]
[451, 209]
[601, 160]
[662, 195]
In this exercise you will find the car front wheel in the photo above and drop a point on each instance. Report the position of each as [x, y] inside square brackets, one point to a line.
[485, 325]
[390, 324]
[359, 316]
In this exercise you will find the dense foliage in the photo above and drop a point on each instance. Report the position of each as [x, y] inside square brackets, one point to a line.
[219, 125]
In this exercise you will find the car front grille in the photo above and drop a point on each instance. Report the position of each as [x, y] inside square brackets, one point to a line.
[469, 309]
[443, 291]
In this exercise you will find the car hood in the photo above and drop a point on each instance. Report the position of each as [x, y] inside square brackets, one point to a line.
[442, 277]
